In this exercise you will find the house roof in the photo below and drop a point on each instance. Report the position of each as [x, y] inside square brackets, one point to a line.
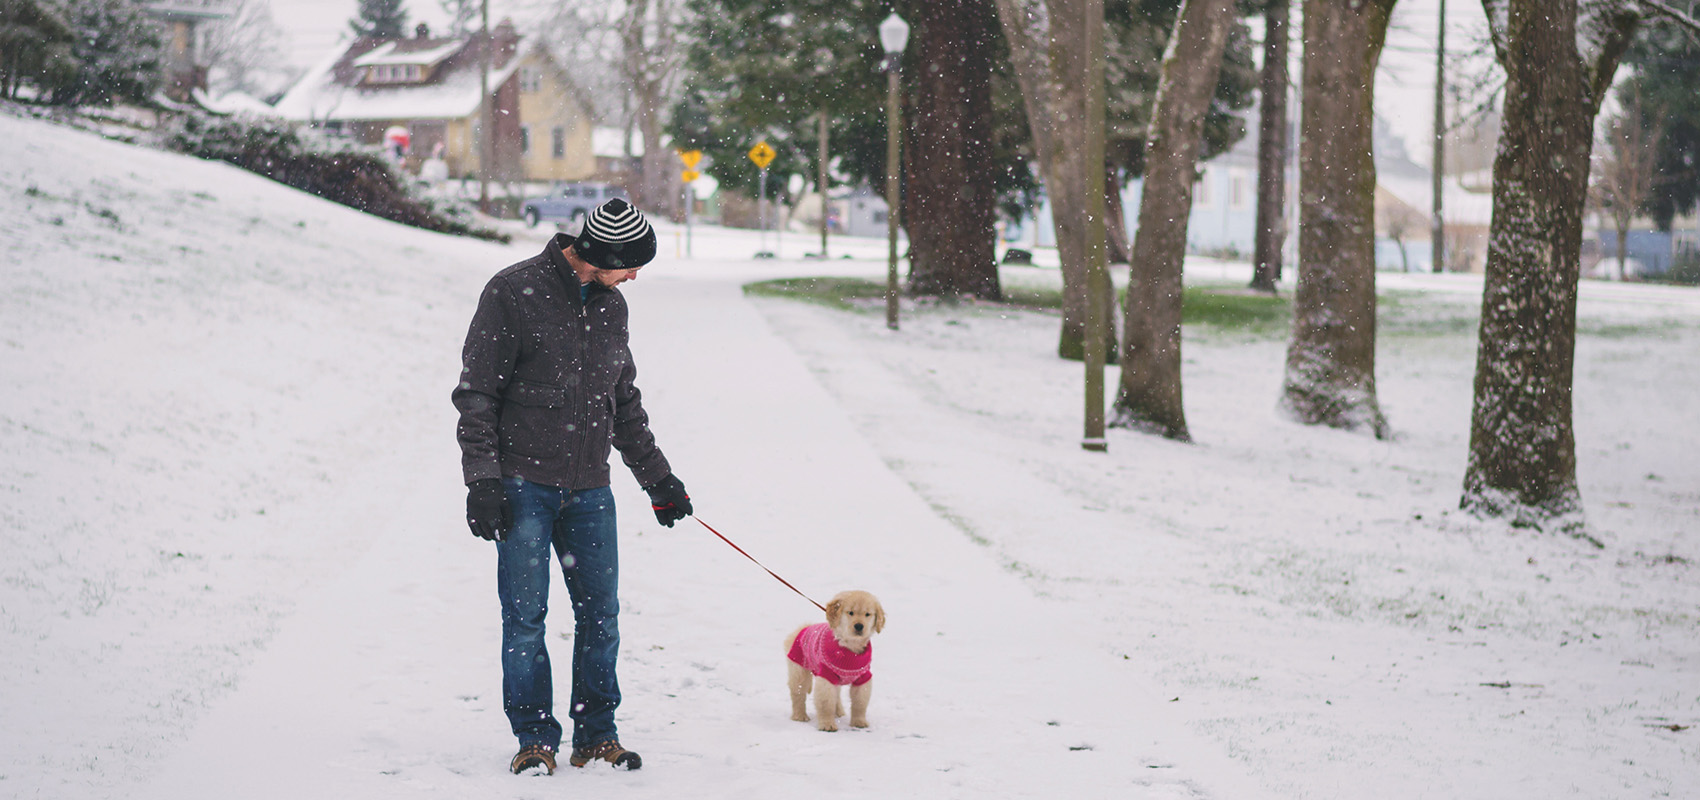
[397, 52]
[332, 90]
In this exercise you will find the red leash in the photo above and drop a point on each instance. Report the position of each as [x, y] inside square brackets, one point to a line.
[759, 564]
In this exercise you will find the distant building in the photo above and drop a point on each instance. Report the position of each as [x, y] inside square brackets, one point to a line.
[421, 96]
[184, 72]
[859, 211]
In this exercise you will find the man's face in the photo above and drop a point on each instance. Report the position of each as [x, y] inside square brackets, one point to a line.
[606, 277]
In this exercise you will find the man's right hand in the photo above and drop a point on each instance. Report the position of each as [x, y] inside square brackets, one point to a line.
[487, 509]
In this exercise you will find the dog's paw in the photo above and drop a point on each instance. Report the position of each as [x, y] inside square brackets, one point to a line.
[799, 717]
[858, 723]
[828, 725]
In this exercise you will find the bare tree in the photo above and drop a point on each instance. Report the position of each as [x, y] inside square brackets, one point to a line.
[1401, 222]
[1272, 151]
[1559, 58]
[1626, 170]
[1331, 359]
[650, 58]
[1046, 41]
[243, 51]
[462, 15]
[1150, 394]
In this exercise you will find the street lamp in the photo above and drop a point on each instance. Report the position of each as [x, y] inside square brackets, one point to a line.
[894, 34]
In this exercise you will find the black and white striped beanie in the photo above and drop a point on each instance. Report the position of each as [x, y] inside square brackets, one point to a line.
[616, 236]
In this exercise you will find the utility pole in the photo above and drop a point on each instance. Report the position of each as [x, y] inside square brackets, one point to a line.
[1437, 227]
[820, 183]
[487, 143]
[1098, 291]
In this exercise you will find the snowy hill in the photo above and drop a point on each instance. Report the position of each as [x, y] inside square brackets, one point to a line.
[235, 565]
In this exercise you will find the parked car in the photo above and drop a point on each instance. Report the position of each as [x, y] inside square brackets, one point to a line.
[568, 203]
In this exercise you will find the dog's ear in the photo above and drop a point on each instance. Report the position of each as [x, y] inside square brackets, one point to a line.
[834, 608]
[879, 618]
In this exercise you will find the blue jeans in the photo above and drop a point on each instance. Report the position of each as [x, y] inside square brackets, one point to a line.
[580, 527]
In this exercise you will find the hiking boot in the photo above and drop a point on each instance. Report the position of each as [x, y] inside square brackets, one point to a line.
[609, 751]
[532, 756]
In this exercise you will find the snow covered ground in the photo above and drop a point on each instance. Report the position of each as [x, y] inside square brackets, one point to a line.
[234, 563]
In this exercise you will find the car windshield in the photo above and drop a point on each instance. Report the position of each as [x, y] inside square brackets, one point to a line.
[569, 192]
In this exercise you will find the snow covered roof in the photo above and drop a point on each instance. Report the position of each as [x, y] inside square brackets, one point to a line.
[389, 54]
[1459, 206]
[239, 103]
[333, 90]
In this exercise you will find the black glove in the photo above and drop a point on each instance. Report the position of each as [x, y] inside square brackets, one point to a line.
[487, 509]
[669, 500]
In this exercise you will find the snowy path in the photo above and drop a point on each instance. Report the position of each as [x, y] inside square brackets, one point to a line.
[385, 683]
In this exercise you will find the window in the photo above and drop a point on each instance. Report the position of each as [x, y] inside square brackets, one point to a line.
[396, 73]
[525, 138]
[1201, 193]
[1238, 189]
[559, 150]
[530, 80]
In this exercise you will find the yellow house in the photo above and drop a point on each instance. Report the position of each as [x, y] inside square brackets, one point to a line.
[555, 125]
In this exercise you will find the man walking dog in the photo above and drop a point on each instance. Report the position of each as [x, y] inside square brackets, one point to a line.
[546, 389]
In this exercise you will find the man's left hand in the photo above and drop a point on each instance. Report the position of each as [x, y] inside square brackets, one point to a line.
[669, 500]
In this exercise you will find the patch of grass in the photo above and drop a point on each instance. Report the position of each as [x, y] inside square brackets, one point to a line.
[839, 293]
[1237, 310]
[1221, 308]
[1406, 313]
[1652, 329]
[1035, 297]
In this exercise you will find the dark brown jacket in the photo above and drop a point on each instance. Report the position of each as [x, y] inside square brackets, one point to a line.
[546, 381]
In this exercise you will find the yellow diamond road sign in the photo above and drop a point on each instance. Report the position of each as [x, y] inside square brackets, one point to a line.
[690, 157]
[690, 175]
[762, 154]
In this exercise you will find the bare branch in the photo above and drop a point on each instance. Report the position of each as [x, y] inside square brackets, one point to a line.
[1689, 23]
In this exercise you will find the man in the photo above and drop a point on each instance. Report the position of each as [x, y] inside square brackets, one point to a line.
[546, 388]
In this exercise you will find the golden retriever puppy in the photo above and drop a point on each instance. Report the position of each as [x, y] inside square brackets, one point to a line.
[824, 656]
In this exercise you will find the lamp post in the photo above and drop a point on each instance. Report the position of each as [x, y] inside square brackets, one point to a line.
[894, 34]
[1099, 292]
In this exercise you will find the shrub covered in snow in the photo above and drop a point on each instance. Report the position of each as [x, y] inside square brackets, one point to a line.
[354, 178]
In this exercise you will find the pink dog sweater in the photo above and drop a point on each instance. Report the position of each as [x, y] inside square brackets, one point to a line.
[818, 651]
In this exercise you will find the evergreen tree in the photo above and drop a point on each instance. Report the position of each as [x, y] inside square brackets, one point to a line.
[758, 71]
[32, 36]
[117, 54]
[382, 19]
[1666, 60]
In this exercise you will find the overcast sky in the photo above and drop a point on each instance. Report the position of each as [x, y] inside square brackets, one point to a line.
[1404, 86]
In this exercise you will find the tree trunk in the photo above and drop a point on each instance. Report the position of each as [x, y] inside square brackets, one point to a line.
[1272, 151]
[1150, 396]
[1622, 251]
[1522, 462]
[1331, 359]
[658, 190]
[1117, 248]
[950, 202]
[649, 62]
[1047, 42]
